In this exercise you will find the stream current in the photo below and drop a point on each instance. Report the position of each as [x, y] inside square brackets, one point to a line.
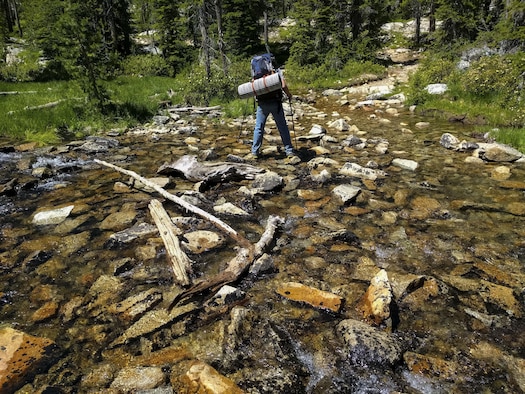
[450, 221]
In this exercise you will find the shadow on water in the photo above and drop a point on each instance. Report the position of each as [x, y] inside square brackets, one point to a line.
[449, 223]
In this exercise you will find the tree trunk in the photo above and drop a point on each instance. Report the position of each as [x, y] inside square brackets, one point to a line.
[220, 39]
[417, 14]
[204, 37]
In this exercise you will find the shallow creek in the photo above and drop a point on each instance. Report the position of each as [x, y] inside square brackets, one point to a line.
[451, 223]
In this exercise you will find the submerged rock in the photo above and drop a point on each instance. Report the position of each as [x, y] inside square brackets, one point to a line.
[368, 345]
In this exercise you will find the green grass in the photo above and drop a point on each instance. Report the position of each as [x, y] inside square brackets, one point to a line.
[133, 100]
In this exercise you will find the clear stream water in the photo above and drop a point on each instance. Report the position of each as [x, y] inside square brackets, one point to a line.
[386, 224]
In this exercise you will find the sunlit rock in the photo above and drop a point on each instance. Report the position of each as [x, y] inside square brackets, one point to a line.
[346, 192]
[268, 181]
[22, 356]
[131, 379]
[499, 152]
[405, 164]
[197, 377]
[339, 125]
[355, 170]
[54, 216]
[436, 88]
[375, 304]
[310, 295]
[230, 209]
[202, 241]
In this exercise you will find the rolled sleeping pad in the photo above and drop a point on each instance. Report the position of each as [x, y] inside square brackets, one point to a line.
[266, 84]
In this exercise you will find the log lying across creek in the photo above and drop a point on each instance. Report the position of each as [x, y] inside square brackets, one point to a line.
[191, 169]
[247, 253]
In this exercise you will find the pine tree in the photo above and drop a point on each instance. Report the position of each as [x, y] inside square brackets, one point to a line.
[242, 27]
[174, 25]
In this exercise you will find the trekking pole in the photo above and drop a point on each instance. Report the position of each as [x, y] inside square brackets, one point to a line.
[243, 121]
[293, 123]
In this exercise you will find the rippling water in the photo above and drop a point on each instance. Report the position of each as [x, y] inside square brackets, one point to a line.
[388, 228]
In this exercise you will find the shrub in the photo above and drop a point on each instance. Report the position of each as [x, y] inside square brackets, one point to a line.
[146, 65]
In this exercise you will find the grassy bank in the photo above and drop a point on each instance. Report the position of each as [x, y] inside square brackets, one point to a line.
[48, 112]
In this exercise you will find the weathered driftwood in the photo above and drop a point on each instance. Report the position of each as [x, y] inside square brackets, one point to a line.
[17, 92]
[189, 207]
[194, 109]
[180, 262]
[245, 256]
[237, 266]
[188, 167]
[48, 105]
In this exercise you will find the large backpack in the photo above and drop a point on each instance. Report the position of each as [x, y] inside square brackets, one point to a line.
[261, 65]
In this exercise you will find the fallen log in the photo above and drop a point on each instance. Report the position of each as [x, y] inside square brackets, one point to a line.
[180, 262]
[235, 267]
[189, 207]
[17, 92]
[188, 167]
[196, 109]
[48, 105]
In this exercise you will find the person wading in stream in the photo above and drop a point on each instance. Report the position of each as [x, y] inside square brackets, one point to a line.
[270, 103]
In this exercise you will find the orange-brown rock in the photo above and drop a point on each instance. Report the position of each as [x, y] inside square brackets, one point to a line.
[21, 356]
[430, 366]
[310, 295]
[197, 377]
[375, 304]
[424, 207]
[46, 311]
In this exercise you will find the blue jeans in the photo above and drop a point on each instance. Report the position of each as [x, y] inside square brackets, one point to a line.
[264, 109]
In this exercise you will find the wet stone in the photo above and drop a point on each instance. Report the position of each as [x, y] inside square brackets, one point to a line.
[202, 241]
[54, 216]
[138, 378]
[200, 378]
[431, 366]
[312, 296]
[22, 356]
[366, 344]
[375, 304]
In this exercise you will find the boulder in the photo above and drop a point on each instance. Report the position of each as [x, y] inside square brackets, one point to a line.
[368, 345]
[22, 356]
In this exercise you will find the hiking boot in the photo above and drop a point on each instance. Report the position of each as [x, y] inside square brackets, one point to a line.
[251, 157]
[292, 158]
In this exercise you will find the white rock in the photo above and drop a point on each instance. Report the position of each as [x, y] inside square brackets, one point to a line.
[405, 164]
[54, 216]
[436, 88]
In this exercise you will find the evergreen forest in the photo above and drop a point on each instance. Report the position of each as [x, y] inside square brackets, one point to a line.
[107, 56]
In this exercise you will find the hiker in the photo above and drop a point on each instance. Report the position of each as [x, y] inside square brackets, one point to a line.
[271, 103]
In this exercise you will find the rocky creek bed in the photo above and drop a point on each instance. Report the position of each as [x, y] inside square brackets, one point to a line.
[397, 264]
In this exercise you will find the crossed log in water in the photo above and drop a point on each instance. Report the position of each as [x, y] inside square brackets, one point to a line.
[181, 264]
